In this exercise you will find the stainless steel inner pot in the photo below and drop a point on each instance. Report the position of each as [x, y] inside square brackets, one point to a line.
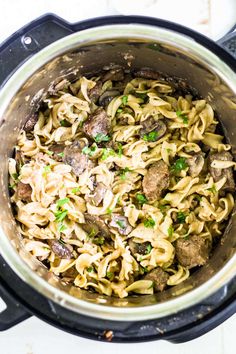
[84, 53]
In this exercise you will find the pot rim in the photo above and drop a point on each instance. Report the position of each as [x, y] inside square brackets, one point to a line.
[107, 32]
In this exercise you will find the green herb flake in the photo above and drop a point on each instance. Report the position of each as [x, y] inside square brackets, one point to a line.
[169, 150]
[119, 110]
[107, 153]
[101, 137]
[141, 198]
[182, 116]
[92, 233]
[50, 153]
[120, 150]
[110, 275]
[198, 197]
[65, 123]
[212, 189]
[149, 223]
[123, 172]
[11, 186]
[121, 224]
[124, 100]
[75, 190]
[109, 211]
[179, 165]
[60, 215]
[90, 269]
[46, 169]
[148, 249]
[170, 231]
[141, 95]
[181, 216]
[61, 202]
[61, 227]
[15, 176]
[89, 150]
[99, 240]
[152, 136]
[61, 154]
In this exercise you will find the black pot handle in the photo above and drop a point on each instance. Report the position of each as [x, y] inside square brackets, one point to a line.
[14, 312]
[228, 41]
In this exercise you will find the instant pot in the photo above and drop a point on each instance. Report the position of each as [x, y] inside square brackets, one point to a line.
[33, 61]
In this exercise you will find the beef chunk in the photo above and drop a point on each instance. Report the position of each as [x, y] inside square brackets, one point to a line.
[116, 74]
[74, 157]
[151, 125]
[60, 249]
[107, 97]
[156, 180]
[30, 122]
[218, 173]
[140, 248]
[97, 123]
[98, 195]
[95, 92]
[196, 164]
[159, 278]
[121, 223]
[57, 149]
[193, 251]
[24, 191]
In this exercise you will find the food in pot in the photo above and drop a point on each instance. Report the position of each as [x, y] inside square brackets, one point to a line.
[122, 183]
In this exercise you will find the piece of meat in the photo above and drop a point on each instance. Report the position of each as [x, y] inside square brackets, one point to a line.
[24, 192]
[196, 164]
[60, 250]
[159, 278]
[57, 149]
[121, 223]
[152, 125]
[95, 92]
[218, 173]
[30, 122]
[74, 157]
[156, 180]
[97, 123]
[94, 226]
[98, 195]
[107, 97]
[192, 252]
[116, 74]
[140, 248]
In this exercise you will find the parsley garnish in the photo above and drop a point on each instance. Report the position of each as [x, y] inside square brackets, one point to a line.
[120, 150]
[110, 275]
[123, 173]
[152, 136]
[141, 198]
[49, 152]
[90, 269]
[61, 227]
[15, 176]
[11, 186]
[61, 154]
[61, 202]
[149, 223]
[65, 123]
[124, 100]
[107, 152]
[89, 150]
[198, 197]
[101, 137]
[182, 116]
[119, 110]
[109, 211]
[46, 169]
[60, 215]
[99, 240]
[148, 249]
[75, 190]
[212, 189]
[121, 224]
[92, 233]
[181, 216]
[170, 231]
[179, 165]
[141, 95]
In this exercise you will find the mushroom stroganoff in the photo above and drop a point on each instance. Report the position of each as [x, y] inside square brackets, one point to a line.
[122, 184]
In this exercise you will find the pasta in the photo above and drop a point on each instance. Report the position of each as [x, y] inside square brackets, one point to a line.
[122, 184]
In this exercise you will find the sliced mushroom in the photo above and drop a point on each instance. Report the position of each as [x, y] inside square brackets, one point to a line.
[219, 173]
[74, 157]
[30, 122]
[159, 278]
[121, 223]
[107, 97]
[156, 180]
[94, 226]
[140, 248]
[115, 74]
[98, 195]
[24, 191]
[196, 164]
[97, 123]
[20, 160]
[58, 151]
[60, 249]
[193, 251]
[95, 92]
[152, 125]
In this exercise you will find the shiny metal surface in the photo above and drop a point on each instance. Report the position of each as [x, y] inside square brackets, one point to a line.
[86, 52]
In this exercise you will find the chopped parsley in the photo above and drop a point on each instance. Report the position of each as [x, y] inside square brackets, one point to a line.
[124, 100]
[149, 223]
[65, 123]
[120, 150]
[152, 136]
[89, 150]
[182, 116]
[170, 231]
[109, 211]
[61, 202]
[141, 95]
[107, 153]
[46, 170]
[92, 233]
[11, 186]
[61, 227]
[15, 176]
[198, 197]
[75, 190]
[141, 198]
[162, 208]
[90, 269]
[99, 240]
[123, 173]
[110, 275]
[119, 110]
[61, 154]
[212, 189]
[121, 224]
[101, 137]
[181, 216]
[179, 165]
[49, 152]
[148, 249]
[60, 215]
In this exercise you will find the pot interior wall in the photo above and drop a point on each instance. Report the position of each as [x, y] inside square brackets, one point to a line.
[88, 60]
